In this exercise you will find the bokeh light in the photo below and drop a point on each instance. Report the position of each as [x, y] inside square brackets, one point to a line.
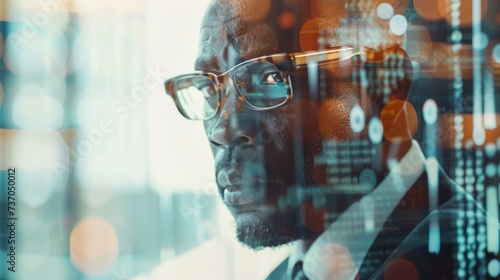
[399, 120]
[357, 119]
[481, 39]
[309, 33]
[287, 20]
[94, 246]
[428, 9]
[34, 108]
[40, 54]
[385, 11]
[456, 35]
[38, 186]
[464, 11]
[430, 111]
[367, 178]
[398, 25]
[23, 56]
[375, 130]
[400, 269]
[337, 263]
[490, 170]
[490, 150]
[398, 6]
[494, 268]
[48, 146]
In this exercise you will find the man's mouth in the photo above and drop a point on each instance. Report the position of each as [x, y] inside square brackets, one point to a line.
[244, 195]
[241, 185]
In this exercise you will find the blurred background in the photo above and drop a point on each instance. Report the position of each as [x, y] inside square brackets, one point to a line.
[112, 183]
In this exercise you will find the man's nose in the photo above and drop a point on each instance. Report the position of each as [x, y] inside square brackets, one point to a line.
[236, 124]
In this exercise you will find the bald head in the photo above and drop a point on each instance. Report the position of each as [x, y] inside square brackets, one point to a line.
[235, 30]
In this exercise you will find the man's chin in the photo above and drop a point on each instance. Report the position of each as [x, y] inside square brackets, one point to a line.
[259, 230]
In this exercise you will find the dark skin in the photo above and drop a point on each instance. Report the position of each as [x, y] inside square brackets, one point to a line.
[259, 155]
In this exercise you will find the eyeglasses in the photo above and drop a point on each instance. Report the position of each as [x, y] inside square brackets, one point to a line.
[262, 83]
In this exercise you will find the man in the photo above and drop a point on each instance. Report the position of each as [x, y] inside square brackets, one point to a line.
[314, 145]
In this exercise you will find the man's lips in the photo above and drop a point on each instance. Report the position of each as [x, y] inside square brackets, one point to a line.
[243, 195]
[235, 196]
[239, 187]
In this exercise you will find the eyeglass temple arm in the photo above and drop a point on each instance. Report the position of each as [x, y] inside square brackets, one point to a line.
[323, 57]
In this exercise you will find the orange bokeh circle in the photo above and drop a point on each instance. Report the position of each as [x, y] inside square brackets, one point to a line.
[286, 20]
[309, 33]
[428, 9]
[94, 247]
[439, 9]
[399, 121]
[400, 269]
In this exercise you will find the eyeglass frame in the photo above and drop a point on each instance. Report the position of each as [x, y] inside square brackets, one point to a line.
[284, 62]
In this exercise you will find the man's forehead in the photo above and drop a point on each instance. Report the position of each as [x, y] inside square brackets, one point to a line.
[222, 50]
[234, 31]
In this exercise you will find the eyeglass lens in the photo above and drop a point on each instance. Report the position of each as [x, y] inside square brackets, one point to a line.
[260, 84]
[196, 96]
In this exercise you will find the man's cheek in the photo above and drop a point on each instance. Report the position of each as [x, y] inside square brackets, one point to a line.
[301, 120]
[334, 119]
[266, 135]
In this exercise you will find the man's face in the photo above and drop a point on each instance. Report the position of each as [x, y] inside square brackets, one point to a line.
[261, 155]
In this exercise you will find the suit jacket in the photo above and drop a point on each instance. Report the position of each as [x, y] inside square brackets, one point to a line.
[416, 243]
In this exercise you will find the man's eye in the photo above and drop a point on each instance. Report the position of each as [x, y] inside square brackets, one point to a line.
[272, 79]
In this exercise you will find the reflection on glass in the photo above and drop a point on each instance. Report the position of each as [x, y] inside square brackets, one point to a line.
[349, 139]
